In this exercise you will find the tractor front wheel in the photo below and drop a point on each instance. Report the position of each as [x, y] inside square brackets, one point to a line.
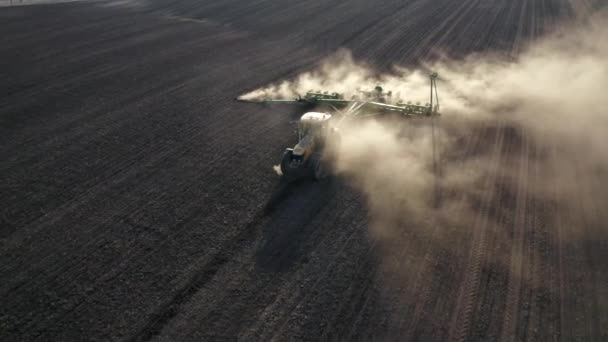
[285, 161]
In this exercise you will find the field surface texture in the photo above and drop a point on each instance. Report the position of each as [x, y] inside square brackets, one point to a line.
[138, 200]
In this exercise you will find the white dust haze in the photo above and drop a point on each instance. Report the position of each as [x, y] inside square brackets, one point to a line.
[518, 169]
[342, 74]
[554, 96]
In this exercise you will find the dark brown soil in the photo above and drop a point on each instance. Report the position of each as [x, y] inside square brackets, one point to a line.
[138, 200]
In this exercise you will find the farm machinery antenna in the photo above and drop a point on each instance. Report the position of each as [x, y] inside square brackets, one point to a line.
[318, 129]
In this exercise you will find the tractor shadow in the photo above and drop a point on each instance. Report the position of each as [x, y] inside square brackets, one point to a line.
[290, 223]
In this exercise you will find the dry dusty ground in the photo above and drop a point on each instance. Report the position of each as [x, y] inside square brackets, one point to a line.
[138, 199]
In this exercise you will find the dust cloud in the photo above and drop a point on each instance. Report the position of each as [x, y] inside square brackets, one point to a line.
[342, 74]
[553, 96]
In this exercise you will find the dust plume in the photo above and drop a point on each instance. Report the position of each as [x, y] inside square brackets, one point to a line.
[342, 74]
[554, 93]
[552, 98]
[519, 152]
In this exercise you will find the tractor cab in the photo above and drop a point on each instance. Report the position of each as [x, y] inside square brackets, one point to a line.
[307, 154]
[312, 124]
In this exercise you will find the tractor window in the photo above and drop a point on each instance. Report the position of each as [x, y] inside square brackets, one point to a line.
[306, 128]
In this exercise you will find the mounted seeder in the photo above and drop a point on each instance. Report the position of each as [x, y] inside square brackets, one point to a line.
[317, 130]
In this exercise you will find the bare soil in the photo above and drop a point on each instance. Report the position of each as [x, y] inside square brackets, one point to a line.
[138, 199]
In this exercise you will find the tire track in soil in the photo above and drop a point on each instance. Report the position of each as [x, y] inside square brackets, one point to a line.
[545, 169]
[517, 256]
[540, 261]
[295, 286]
[584, 236]
[302, 298]
[408, 325]
[161, 317]
[355, 294]
[562, 220]
[258, 292]
[461, 321]
[235, 303]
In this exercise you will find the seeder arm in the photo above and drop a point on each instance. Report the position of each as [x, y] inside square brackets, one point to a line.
[405, 109]
[298, 100]
[301, 100]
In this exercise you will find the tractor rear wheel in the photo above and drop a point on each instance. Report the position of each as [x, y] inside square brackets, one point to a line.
[319, 167]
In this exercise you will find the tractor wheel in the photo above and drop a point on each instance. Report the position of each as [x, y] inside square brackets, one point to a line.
[319, 167]
[287, 155]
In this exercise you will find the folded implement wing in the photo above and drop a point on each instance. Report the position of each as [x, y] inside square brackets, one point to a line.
[371, 103]
[311, 98]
